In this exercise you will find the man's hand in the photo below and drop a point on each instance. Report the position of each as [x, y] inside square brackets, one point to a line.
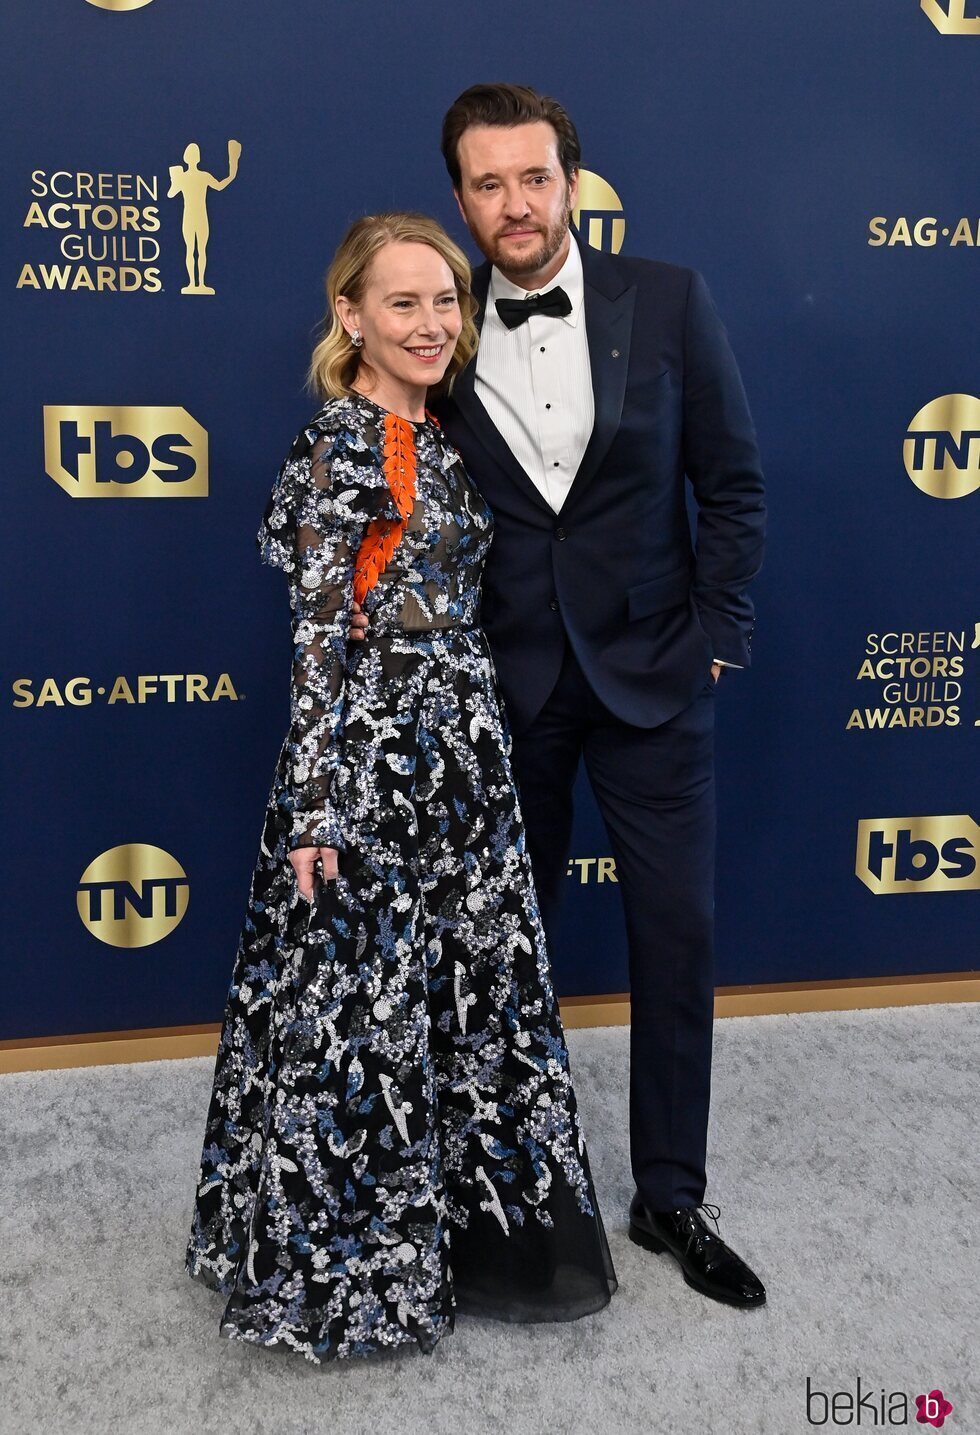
[358, 624]
[304, 859]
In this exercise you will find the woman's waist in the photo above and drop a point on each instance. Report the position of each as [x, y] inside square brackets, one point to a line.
[393, 634]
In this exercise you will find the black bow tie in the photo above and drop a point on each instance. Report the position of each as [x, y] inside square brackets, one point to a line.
[515, 311]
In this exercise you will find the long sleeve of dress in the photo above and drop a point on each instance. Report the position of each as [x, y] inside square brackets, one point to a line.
[330, 486]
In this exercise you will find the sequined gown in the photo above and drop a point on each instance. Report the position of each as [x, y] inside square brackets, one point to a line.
[392, 1134]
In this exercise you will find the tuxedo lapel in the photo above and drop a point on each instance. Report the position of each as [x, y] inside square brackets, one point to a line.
[609, 326]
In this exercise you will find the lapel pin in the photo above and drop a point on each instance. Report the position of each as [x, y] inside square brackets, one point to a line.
[615, 353]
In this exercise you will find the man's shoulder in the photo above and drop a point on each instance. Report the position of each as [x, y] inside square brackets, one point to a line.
[646, 273]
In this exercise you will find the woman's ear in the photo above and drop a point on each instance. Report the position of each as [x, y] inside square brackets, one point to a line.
[346, 313]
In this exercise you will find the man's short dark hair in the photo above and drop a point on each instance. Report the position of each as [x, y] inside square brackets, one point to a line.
[507, 105]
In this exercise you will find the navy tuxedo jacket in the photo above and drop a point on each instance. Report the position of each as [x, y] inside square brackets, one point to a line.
[645, 610]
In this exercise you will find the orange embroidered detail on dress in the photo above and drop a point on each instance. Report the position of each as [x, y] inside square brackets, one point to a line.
[383, 535]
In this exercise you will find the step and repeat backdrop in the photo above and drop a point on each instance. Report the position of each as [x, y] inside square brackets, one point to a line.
[176, 178]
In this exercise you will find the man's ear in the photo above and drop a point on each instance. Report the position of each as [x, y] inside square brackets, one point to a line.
[573, 188]
[459, 205]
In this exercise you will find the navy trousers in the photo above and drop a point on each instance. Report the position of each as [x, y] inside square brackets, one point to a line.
[655, 790]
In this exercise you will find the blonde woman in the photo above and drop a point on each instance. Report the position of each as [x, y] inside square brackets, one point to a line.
[393, 1134]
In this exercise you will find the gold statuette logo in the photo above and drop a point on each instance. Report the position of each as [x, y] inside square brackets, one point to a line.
[942, 447]
[598, 215]
[132, 895]
[192, 184]
[119, 4]
[918, 854]
[104, 451]
[950, 17]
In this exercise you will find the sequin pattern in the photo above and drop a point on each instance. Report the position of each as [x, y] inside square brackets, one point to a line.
[392, 1132]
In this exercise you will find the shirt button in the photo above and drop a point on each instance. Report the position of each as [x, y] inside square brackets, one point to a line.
[560, 534]
[547, 406]
[557, 464]
[553, 605]
[542, 348]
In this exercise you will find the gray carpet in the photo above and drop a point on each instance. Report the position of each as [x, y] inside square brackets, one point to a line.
[842, 1153]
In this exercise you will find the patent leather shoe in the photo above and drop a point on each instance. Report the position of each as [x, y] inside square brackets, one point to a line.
[708, 1264]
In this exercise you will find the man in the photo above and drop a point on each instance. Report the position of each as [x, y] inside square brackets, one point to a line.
[600, 383]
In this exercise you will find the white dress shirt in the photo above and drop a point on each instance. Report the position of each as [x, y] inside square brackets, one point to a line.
[535, 382]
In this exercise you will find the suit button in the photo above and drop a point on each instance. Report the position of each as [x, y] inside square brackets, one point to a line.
[560, 534]
[553, 605]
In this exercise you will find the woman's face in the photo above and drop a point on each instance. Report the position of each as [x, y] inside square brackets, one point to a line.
[409, 317]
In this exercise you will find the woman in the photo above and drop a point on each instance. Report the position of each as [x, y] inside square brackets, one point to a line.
[392, 1133]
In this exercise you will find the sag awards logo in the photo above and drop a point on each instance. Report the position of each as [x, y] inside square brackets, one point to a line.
[136, 691]
[914, 680]
[953, 17]
[942, 447]
[918, 854]
[132, 895]
[598, 216]
[924, 233]
[105, 451]
[119, 4]
[102, 231]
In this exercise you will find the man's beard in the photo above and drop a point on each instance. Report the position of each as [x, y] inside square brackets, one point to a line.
[529, 263]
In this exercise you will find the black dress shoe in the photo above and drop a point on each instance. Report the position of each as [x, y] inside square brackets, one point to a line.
[708, 1264]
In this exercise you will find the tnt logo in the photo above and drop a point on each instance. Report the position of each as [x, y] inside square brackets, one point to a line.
[918, 854]
[950, 17]
[942, 447]
[109, 452]
[598, 213]
[133, 895]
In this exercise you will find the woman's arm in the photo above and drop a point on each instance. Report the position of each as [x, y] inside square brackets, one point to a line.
[328, 490]
[322, 597]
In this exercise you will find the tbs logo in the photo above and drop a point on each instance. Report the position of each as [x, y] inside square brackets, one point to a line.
[918, 854]
[109, 452]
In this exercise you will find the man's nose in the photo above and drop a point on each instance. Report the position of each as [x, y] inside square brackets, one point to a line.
[515, 202]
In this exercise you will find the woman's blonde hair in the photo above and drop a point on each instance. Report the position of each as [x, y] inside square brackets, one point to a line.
[335, 361]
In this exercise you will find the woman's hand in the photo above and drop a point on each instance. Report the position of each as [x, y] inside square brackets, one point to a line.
[358, 624]
[304, 860]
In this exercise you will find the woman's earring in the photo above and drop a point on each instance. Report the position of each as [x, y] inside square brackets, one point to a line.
[356, 339]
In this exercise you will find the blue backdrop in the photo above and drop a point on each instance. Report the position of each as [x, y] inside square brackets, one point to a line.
[791, 153]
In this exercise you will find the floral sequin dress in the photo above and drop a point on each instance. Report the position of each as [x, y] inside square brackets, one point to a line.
[392, 1133]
